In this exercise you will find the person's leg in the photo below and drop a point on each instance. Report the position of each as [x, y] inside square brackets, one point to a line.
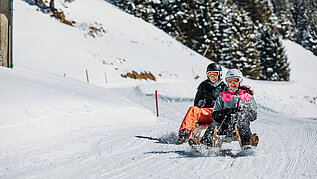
[209, 133]
[245, 132]
[190, 117]
[188, 123]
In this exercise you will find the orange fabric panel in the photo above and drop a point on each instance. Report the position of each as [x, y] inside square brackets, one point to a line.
[202, 115]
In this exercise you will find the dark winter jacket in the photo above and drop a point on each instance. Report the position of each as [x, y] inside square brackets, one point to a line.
[240, 103]
[209, 92]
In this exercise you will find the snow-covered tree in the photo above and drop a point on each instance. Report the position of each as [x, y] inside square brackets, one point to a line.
[234, 32]
[218, 33]
[305, 23]
[243, 45]
[274, 62]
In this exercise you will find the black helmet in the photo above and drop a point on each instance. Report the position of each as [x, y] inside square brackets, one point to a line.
[214, 67]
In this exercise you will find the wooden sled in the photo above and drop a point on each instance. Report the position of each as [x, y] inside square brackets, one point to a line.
[199, 130]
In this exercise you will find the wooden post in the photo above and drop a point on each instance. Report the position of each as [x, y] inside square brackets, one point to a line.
[11, 35]
[157, 111]
[206, 50]
[87, 76]
[6, 33]
[106, 78]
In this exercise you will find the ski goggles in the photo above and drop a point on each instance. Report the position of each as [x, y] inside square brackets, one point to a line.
[212, 73]
[233, 80]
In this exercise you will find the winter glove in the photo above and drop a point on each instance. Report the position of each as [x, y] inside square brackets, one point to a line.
[201, 103]
[229, 111]
[235, 110]
[218, 116]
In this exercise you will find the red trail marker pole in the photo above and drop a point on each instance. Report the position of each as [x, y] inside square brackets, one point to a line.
[157, 111]
[87, 76]
[206, 50]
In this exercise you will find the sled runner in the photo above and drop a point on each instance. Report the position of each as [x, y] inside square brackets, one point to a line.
[198, 130]
[196, 134]
[217, 139]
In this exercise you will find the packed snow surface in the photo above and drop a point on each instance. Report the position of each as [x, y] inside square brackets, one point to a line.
[53, 124]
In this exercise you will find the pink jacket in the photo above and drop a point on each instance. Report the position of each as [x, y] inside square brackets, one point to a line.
[236, 99]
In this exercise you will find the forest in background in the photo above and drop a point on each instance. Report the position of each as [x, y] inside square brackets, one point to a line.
[243, 34]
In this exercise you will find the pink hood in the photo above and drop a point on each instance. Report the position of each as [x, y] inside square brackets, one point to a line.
[242, 94]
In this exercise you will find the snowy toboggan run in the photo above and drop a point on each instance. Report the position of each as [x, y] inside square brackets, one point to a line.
[53, 124]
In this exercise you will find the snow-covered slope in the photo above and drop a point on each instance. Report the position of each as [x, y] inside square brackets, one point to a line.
[36, 106]
[53, 124]
[127, 44]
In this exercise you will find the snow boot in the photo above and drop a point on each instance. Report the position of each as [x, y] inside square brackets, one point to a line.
[196, 145]
[254, 140]
[182, 136]
[208, 137]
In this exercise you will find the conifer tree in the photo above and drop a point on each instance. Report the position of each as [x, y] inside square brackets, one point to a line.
[244, 45]
[281, 71]
[218, 33]
[305, 20]
[239, 36]
[274, 62]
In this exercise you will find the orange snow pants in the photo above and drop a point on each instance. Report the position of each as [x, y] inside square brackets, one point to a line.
[202, 115]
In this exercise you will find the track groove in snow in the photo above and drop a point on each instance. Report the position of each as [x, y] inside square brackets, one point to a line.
[303, 152]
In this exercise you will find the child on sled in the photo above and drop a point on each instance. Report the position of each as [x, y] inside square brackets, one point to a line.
[234, 106]
[206, 95]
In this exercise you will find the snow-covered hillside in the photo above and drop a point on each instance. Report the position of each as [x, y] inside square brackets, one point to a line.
[53, 124]
[128, 44]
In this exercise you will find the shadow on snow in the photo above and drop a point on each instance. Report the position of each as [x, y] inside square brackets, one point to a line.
[166, 139]
[207, 153]
[172, 139]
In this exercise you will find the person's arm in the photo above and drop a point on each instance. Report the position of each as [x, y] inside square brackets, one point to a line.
[252, 112]
[218, 112]
[199, 96]
[249, 109]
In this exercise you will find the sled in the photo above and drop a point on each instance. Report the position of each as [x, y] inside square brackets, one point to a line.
[199, 130]
[218, 140]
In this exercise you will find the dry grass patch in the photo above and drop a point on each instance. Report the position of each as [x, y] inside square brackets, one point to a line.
[96, 31]
[143, 75]
[61, 16]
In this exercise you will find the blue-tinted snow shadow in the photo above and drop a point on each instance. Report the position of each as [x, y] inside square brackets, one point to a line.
[167, 99]
[172, 139]
[219, 153]
[42, 7]
[166, 139]
[181, 153]
[30, 2]
[266, 109]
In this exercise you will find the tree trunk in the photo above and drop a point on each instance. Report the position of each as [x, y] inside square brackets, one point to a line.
[52, 6]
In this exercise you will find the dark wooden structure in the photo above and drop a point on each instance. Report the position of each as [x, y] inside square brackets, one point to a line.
[6, 33]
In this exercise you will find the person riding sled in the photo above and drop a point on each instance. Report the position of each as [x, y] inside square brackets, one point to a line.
[234, 106]
[206, 95]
